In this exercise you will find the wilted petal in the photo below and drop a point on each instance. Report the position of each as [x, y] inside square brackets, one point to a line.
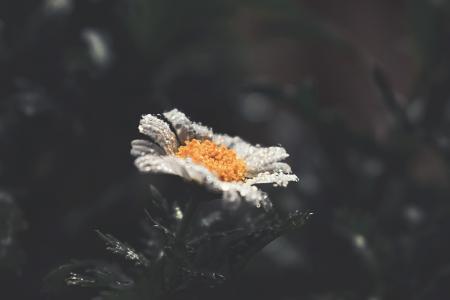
[160, 133]
[185, 128]
[143, 147]
[278, 179]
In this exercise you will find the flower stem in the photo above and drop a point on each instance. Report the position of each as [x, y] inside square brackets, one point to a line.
[183, 228]
[179, 248]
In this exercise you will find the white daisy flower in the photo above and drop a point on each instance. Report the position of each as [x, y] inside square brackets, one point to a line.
[220, 162]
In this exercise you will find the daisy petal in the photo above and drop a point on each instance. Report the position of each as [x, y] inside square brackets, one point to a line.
[242, 148]
[234, 191]
[185, 128]
[256, 157]
[143, 147]
[275, 167]
[260, 157]
[262, 163]
[157, 164]
[176, 166]
[160, 132]
[231, 191]
[278, 179]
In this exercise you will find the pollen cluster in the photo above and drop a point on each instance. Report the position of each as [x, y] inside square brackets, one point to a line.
[217, 158]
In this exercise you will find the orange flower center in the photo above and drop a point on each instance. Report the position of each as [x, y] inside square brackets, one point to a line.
[217, 158]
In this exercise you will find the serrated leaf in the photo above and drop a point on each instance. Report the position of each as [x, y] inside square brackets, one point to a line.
[243, 248]
[122, 249]
[90, 274]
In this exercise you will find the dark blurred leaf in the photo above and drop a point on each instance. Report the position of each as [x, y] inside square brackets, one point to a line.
[390, 99]
[11, 223]
[158, 200]
[158, 25]
[425, 23]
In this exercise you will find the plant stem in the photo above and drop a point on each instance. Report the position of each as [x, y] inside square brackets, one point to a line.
[179, 246]
[183, 228]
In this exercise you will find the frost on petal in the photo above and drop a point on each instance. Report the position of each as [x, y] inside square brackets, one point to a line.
[242, 148]
[234, 191]
[160, 133]
[196, 172]
[174, 165]
[231, 191]
[259, 157]
[157, 164]
[275, 167]
[143, 147]
[278, 178]
[263, 163]
[185, 128]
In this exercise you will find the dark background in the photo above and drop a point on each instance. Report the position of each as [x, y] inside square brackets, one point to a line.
[357, 92]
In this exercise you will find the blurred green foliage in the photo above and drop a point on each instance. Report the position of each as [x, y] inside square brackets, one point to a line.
[381, 203]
